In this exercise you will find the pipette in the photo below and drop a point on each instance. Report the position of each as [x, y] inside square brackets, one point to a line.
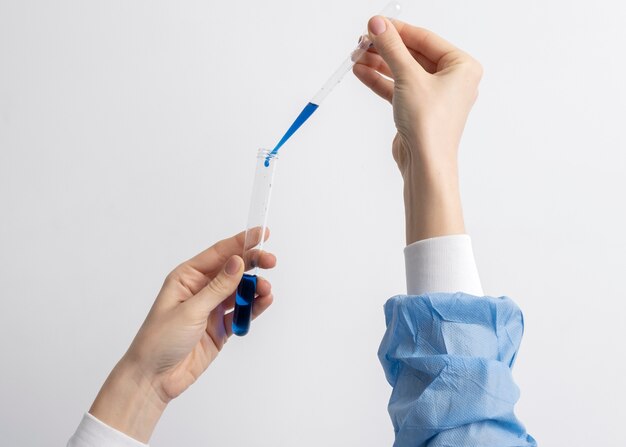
[391, 11]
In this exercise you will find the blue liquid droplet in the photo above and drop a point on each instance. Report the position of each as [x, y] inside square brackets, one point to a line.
[304, 115]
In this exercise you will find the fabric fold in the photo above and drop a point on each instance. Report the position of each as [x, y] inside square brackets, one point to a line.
[448, 358]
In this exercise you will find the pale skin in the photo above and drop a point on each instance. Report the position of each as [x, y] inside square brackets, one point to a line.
[432, 88]
[183, 333]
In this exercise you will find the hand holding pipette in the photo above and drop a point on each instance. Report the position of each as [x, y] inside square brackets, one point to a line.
[433, 88]
[391, 11]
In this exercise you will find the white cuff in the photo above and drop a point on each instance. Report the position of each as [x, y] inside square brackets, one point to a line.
[94, 433]
[442, 264]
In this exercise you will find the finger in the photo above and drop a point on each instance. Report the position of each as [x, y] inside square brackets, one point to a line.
[259, 258]
[376, 62]
[371, 78]
[216, 330]
[267, 260]
[426, 63]
[253, 237]
[214, 257]
[260, 305]
[263, 288]
[425, 42]
[228, 304]
[188, 281]
[390, 46]
[218, 289]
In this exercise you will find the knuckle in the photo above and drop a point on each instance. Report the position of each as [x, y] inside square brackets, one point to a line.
[172, 277]
[218, 285]
[192, 313]
[389, 48]
[475, 69]
[181, 275]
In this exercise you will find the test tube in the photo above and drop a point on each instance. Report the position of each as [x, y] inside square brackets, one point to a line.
[254, 239]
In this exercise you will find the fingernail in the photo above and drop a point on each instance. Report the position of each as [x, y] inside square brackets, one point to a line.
[232, 266]
[377, 25]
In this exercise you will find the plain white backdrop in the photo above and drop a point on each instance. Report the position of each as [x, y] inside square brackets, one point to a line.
[128, 134]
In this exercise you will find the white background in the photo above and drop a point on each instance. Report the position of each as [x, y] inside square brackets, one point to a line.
[128, 132]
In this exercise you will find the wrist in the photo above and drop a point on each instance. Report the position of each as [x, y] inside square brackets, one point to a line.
[129, 402]
[432, 201]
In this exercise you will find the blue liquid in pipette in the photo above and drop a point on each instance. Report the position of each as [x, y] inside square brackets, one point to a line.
[304, 115]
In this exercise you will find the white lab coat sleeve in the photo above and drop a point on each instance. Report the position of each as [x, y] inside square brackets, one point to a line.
[92, 432]
[442, 264]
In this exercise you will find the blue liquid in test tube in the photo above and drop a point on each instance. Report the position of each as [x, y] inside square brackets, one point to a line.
[254, 240]
[244, 300]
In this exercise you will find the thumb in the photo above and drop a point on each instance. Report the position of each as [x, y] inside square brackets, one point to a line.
[220, 287]
[390, 46]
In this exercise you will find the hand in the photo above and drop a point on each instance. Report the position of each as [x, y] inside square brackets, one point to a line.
[432, 89]
[183, 333]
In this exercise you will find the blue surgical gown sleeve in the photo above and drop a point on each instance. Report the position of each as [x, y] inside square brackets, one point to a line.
[448, 357]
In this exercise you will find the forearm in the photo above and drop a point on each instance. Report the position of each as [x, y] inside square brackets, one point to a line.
[438, 255]
[432, 202]
[128, 402]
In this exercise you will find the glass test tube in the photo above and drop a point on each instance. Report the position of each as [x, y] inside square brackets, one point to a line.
[255, 236]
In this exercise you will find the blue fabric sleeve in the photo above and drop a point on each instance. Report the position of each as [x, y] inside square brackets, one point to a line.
[448, 358]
